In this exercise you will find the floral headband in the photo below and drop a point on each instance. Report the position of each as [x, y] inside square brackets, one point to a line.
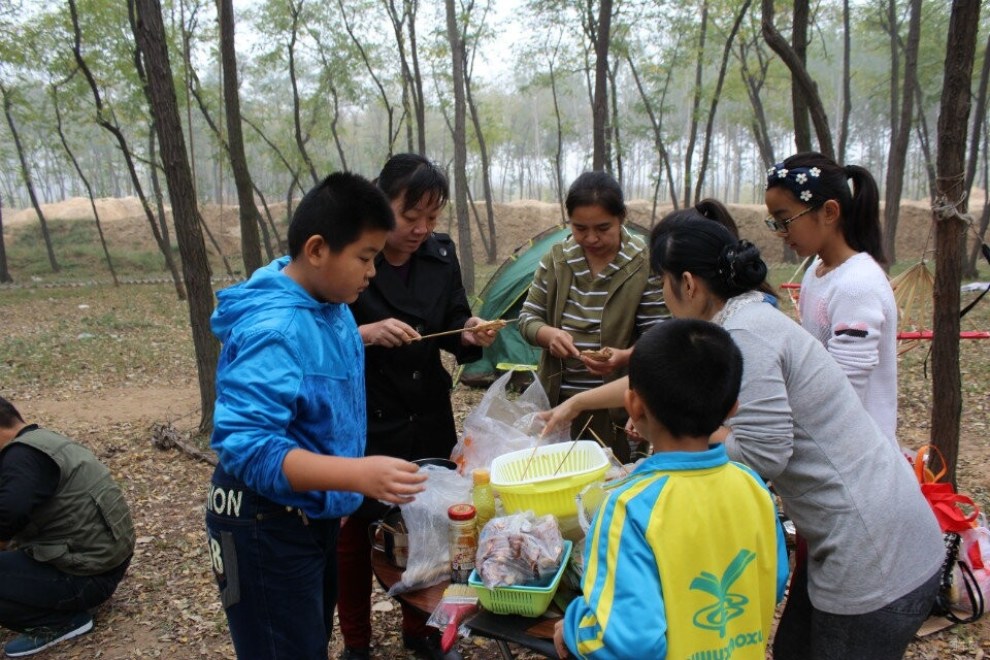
[804, 182]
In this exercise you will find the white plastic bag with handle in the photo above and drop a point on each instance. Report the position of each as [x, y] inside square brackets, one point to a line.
[499, 425]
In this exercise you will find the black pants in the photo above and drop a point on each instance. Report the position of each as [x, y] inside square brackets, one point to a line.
[35, 594]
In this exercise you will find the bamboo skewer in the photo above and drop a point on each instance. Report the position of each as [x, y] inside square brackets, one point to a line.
[481, 327]
[564, 459]
[535, 447]
[608, 451]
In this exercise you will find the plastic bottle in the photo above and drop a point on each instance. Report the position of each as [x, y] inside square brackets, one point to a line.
[483, 496]
[463, 541]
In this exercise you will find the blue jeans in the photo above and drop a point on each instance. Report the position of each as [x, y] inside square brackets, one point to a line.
[806, 633]
[276, 570]
[35, 594]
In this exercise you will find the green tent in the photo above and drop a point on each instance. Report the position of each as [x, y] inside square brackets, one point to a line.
[503, 297]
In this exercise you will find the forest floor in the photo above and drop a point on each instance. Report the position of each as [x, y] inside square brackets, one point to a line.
[104, 364]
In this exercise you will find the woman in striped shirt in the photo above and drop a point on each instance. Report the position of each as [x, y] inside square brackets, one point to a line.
[591, 297]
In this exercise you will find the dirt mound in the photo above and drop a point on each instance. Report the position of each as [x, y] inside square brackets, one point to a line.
[125, 223]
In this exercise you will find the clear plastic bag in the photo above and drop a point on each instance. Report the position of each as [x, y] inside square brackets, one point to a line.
[426, 520]
[459, 602]
[499, 425]
[520, 549]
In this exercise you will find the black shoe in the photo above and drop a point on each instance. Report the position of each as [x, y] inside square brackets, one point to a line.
[428, 648]
[355, 653]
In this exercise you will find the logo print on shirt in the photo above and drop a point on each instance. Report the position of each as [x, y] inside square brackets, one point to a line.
[728, 605]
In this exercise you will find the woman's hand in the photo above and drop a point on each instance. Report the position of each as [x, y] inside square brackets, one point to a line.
[388, 333]
[559, 417]
[617, 358]
[483, 338]
[560, 343]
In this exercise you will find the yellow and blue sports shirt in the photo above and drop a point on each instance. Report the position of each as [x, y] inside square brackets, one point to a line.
[685, 559]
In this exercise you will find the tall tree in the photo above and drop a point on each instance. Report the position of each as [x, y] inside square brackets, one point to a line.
[602, 34]
[85, 180]
[460, 148]
[149, 33]
[950, 228]
[5, 277]
[695, 118]
[26, 176]
[902, 123]
[846, 84]
[472, 38]
[247, 210]
[799, 102]
[979, 136]
[105, 119]
[804, 81]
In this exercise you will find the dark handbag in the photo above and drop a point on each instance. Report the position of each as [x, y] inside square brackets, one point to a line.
[970, 587]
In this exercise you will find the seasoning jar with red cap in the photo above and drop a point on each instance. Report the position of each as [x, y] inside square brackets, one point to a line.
[463, 541]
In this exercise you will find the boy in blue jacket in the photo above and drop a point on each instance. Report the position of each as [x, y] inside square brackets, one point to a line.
[289, 426]
[685, 558]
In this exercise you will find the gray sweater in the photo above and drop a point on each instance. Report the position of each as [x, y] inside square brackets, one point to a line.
[871, 536]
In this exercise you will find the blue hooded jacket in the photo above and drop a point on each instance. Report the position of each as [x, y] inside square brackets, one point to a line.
[290, 375]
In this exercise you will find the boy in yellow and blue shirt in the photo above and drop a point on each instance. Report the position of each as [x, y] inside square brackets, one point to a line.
[686, 557]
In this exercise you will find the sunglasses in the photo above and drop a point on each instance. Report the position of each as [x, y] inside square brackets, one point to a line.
[780, 226]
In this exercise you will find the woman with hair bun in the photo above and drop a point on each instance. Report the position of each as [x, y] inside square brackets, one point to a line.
[874, 546]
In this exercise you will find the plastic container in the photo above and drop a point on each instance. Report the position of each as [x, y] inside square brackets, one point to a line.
[463, 541]
[483, 496]
[537, 488]
[524, 600]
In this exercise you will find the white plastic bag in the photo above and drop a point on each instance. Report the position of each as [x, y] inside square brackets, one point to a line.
[499, 425]
[426, 520]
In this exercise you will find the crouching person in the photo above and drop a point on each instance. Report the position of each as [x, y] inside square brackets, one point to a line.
[65, 533]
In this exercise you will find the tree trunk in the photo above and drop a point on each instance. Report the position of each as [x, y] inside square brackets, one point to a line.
[5, 277]
[558, 154]
[248, 213]
[613, 145]
[953, 120]
[113, 129]
[486, 177]
[393, 130]
[460, 150]
[846, 83]
[86, 184]
[655, 122]
[418, 101]
[799, 103]
[295, 8]
[901, 139]
[807, 86]
[974, 151]
[695, 103]
[599, 160]
[726, 51]
[28, 181]
[149, 32]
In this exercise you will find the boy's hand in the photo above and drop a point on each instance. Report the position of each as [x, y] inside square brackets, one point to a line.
[391, 480]
[389, 333]
[558, 639]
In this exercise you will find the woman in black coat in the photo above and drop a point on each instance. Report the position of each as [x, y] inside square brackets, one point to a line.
[416, 290]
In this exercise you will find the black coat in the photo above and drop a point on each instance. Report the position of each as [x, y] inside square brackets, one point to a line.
[409, 411]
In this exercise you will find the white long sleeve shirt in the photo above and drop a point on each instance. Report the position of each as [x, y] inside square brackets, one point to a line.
[851, 310]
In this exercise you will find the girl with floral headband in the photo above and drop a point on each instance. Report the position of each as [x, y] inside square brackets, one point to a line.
[846, 299]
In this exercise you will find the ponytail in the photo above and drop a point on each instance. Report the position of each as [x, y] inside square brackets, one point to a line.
[861, 222]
